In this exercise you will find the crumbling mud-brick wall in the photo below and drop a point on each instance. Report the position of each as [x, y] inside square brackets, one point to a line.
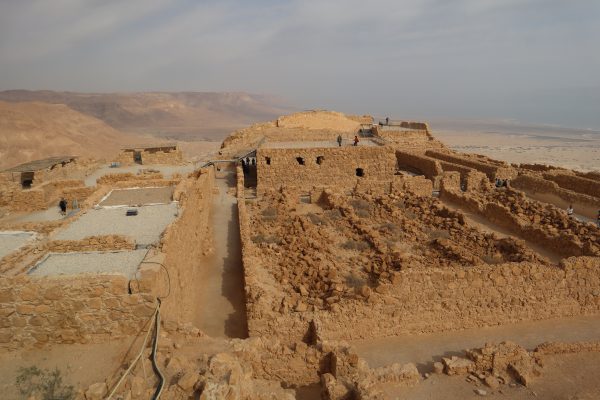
[308, 167]
[36, 311]
[185, 242]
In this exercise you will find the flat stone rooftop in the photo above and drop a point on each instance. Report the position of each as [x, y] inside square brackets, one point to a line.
[12, 240]
[110, 262]
[364, 142]
[145, 228]
[139, 196]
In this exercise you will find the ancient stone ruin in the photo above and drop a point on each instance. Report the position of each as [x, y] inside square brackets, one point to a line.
[319, 242]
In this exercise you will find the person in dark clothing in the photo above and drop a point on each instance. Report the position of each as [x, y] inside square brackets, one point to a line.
[63, 206]
[356, 140]
[339, 140]
[387, 120]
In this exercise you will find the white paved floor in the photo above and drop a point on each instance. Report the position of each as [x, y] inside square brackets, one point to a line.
[145, 228]
[11, 241]
[117, 262]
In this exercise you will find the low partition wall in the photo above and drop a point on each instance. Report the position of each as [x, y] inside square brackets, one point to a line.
[36, 311]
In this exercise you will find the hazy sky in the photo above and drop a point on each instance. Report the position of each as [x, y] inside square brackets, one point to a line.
[535, 61]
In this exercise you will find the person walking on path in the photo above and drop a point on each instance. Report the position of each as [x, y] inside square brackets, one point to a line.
[356, 140]
[570, 210]
[339, 140]
[63, 206]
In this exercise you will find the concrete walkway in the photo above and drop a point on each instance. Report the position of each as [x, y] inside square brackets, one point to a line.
[426, 349]
[222, 309]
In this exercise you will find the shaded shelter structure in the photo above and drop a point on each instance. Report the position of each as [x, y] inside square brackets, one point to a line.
[161, 153]
[29, 169]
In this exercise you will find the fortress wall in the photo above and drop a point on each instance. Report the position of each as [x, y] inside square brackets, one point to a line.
[575, 183]
[37, 311]
[184, 242]
[492, 171]
[338, 167]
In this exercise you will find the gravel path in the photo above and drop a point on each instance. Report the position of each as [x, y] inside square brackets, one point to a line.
[145, 228]
[120, 262]
[11, 241]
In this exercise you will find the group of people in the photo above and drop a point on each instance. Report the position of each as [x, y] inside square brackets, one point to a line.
[340, 139]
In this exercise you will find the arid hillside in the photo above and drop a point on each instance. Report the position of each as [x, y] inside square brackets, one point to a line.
[184, 116]
[30, 131]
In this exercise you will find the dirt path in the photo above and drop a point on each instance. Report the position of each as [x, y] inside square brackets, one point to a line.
[221, 289]
[426, 349]
[582, 212]
[486, 226]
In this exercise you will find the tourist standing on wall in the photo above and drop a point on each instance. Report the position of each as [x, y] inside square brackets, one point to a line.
[570, 210]
[339, 140]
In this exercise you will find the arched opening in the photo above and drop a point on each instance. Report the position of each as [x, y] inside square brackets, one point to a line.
[268, 160]
[300, 160]
[360, 172]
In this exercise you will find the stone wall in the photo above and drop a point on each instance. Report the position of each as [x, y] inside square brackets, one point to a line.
[546, 235]
[152, 157]
[405, 138]
[492, 171]
[184, 243]
[110, 179]
[92, 243]
[575, 183]
[338, 167]
[39, 198]
[532, 183]
[419, 163]
[36, 311]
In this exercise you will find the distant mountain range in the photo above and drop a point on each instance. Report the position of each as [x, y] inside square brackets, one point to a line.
[36, 124]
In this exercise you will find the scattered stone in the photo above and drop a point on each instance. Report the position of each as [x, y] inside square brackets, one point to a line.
[96, 391]
[481, 392]
[491, 382]
[438, 367]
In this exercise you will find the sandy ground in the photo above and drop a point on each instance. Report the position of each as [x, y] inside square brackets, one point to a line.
[564, 377]
[80, 365]
[578, 152]
[428, 348]
[11, 241]
[113, 262]
[141, 196]
[221, 296]
[145, 228]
